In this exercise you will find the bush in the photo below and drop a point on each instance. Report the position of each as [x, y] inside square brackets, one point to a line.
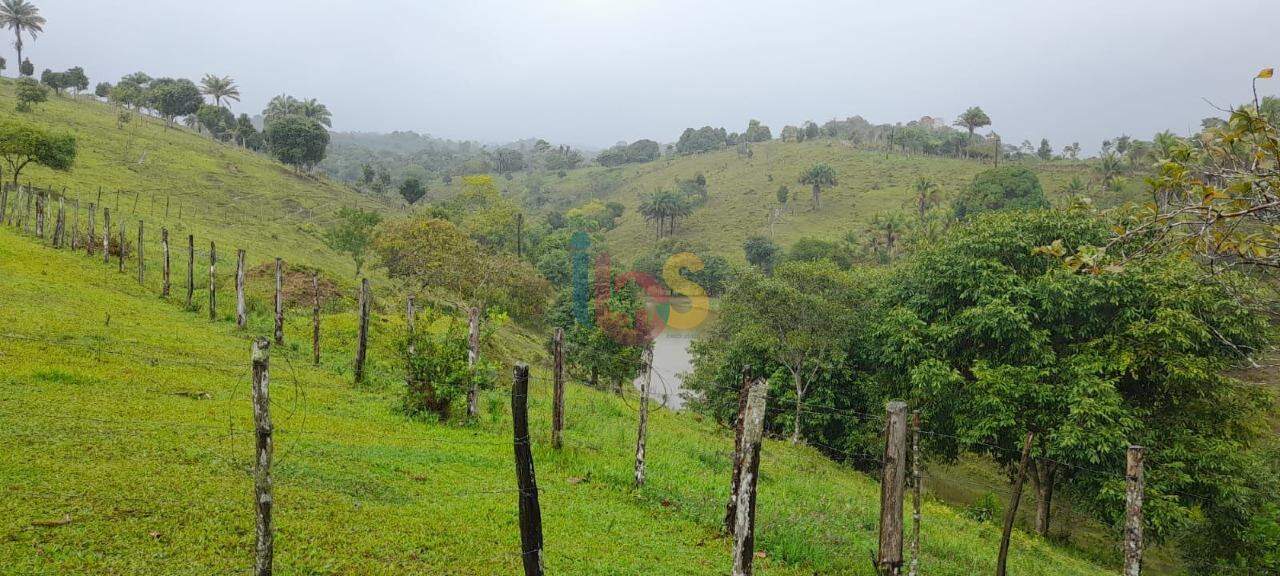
[30, 92]
[437, 371]
[1007, 188]
[985, 509]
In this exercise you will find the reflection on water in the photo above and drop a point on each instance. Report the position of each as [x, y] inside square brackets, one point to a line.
[671, 359]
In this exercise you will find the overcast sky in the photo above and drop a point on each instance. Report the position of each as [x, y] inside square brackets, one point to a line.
[593, 72]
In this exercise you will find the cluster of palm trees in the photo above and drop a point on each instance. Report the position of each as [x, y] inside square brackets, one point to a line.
[286, 105]
[664, 208]
[22, 17]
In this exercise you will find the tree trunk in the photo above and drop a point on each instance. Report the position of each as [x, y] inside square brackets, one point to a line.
[1044, 476]
[799, 381]
[817, 196]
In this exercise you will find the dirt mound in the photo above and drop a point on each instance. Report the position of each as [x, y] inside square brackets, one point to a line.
[297, 286]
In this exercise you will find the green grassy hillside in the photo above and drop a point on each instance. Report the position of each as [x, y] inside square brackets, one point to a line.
[124, 450]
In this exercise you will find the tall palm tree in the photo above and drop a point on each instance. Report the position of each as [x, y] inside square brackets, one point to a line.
[21, 16]
[314, 110]
[818, 176]
[218, 88]
[279, 107]
[971, 120]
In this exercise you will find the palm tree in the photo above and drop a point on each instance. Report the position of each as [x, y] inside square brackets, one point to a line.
[818, 176]
[972, 119]
[279, 107]
[886, 228]
[1109, 168]
[21, 16]
[219, 87]
[927, 194]
[314, 110]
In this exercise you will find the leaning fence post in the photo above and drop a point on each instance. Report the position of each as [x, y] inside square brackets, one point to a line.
[262, 466]
[1135, 483]
[164, 249]
[1012, 510]
[473, 356]
[557, 389]
[240, 307]
[893, 473]
[363, 340]
[526, 477]
[915, 493]
[744, 530]
[191, 269]
[142, 260]
[213, 281]
[315, 318]
[642, 432]
[731, 510]
[279, 302]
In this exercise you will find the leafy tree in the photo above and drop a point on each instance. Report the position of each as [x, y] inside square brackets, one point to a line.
[55, 80]
[3, 64]
[102, 90]
[21, 16]
[246, 134]
[638, 151]
[219, 88]
[76, 79]
[438, 370]
[784, 194]
[1071, 151]
[26, 68]
[1006, 188]
[508, 160]
[412, 190]
[352, 234]
[811, 130]
[563, 158]
[818, 176]
[297, 141]
[219, 121]
[704, 139]
[762, 253]
[971, 120]
[173, 97]
[23, 143]
[1045, 151]
[757, 132]
[30, 92]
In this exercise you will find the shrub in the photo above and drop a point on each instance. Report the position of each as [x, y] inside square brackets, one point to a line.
[30, 92]
[437, 371]
[985, 509]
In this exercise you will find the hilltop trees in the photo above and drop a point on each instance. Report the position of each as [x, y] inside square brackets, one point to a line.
[173, 97]
[23, 143]
[817, 177]
[704, 139]
[22, 17]
[1006, 188]
[757, 132]
[638, 151]
[219, 88]
[297, 141]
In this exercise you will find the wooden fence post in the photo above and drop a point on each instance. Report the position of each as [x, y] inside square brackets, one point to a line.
[213, 281]
[191, 269]
[473, 356]
[1135, 485]
[315, 319]
[892, 476]
[279, 302]
[75, 227]
[363, 339]
[263, 498]
[164, 249]
[1011, 511]
[106, 235]
[744, 530]
[642, 432]
[4, 200]
[60, 224]
[915, 493]
[142, 260]
[731, 509]
[92, 239]
[557, 389]
[120, 260]
[526, 477]
[240, 306]
[40, 202]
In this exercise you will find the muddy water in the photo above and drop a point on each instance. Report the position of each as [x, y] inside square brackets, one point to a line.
[671, 360]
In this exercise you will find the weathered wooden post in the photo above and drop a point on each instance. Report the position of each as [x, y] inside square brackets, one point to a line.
[731, 510]
[1135, 486]
[92, 239]
[526, 477]
[75, 227]
[263, 498]
[892, 477]
[164, 249]
[915, 493]
[213, 281]
[363, 339]
[1011, 511]
[191, 269]
[120, 260]
[4, 199]
[557, 389]
[142, 260]
[40, 202]
[642, 432]
[241, 313]
[473, 356]
[60, 224]
[744, 537]
[279, 302]
[315, 319]
[106, 235]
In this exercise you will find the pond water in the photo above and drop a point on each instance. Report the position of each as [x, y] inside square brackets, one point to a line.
[671, 360]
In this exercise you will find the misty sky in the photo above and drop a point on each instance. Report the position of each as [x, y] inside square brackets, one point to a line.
[593, 72]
